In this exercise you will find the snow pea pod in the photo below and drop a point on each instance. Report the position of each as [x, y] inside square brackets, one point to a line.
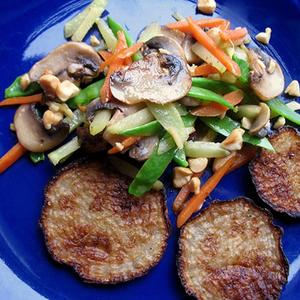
[226, 125]
[180, 158]
[150, 172]
[15, 90]
[115, 27]
[207, 95]
[86, 95]
[154, 127]
[36, 157]
[278, 107]
[218, 86]
[245, 70]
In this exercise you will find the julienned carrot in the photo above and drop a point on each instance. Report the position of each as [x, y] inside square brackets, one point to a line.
[204, 23]
[11, 156]
[202, 38]
[123, 54]
[215, 109]
[105, 54]
[204, 70]
[233, 35]
[124, 145]
[105, 93]
[22, 100]
[196, 202]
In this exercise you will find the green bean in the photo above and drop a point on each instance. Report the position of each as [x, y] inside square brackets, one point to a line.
[36, 157]
[115, 27]
[15, 90]
[280, 108]
[207, 95]
[226, 125]
[245, 70]
[218, 86]
[86, 95]
[150, 172]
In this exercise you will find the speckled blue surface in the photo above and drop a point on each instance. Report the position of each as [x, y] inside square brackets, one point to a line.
[28, 30]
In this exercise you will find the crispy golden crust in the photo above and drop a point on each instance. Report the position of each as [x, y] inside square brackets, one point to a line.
[277, 175]
[91, 223]
[232, 251]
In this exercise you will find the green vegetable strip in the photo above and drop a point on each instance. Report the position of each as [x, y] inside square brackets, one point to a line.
[169, 118]
[245, 70]
[154, 127]
[278, 107]
[207, 95]
[15, 90]
[36, 157]
[150, 172]
[226, 125]
[63, 152]
[115, 27]
[86, 95]
[218, 86]
[180, 158]
[75, 121]
[148, 129]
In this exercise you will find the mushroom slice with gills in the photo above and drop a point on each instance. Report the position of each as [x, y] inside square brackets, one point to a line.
[165, 44]
[190, 56]
[158, 78]
[74, 61]
[31, 133]
[144, 148]
[266, 82]
[262, 119]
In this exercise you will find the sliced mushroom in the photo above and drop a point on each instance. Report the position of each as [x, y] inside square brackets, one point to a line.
[77, 62]
[262, 119]
[144, 148]
[174, 34]
[266, 85]
[165, 45]
[32, 134]
[190, 56]
[96, 105]
[159, 78]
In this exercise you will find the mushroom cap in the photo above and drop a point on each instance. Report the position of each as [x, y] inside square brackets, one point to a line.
[158, 78]
[165, 43]
[31, 133]
[74, 61]
[266, 85]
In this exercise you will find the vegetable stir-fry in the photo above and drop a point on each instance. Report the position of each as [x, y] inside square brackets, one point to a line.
[185, 93]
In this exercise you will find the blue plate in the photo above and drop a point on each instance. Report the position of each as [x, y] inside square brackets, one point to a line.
[28, 30]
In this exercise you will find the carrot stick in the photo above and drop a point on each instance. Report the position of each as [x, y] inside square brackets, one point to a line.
[204, 23]
[105, 54]
[124, 145]
[11, 157]
[233, 35]
[125, 53]
[105, 93]
[22, 100]
[242, 157]
[204, 70]
[202, 38]
[215, 109]
[196, 202]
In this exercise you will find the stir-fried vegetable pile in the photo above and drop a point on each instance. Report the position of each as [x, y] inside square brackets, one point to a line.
[188, 92]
